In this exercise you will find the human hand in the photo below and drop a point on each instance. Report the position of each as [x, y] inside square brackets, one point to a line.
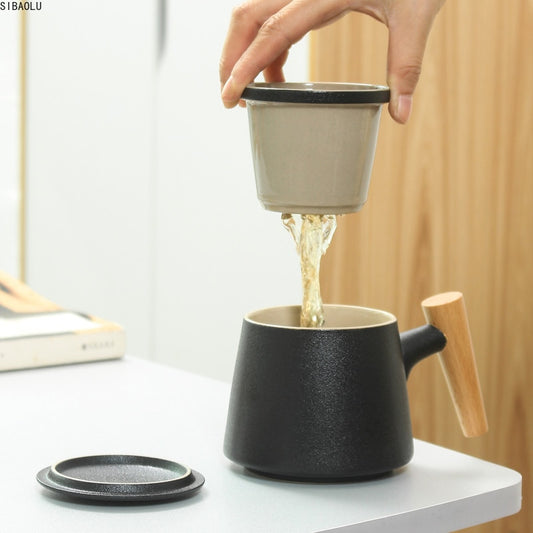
[262, 31]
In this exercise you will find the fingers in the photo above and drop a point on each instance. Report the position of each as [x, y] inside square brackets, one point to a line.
[274, 71]
[273, 37]
[262, 31]
[246, 21]
[409, 27]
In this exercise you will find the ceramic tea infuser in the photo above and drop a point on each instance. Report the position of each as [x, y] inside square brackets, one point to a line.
[313, 144]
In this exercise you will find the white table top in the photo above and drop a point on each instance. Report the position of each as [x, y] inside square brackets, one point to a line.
[132, 406]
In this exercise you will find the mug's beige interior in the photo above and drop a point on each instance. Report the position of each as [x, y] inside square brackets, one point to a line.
[336, 317]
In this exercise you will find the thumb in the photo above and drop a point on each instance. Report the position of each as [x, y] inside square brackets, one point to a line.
[408, 33]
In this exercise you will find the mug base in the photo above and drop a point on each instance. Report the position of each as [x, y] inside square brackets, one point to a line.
[325, 479]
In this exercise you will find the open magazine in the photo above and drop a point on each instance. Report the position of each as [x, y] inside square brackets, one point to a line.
[37, 332]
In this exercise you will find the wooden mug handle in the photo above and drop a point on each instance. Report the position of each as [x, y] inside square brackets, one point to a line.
[447, 312]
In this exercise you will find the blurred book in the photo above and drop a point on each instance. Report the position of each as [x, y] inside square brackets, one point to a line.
[36, 332]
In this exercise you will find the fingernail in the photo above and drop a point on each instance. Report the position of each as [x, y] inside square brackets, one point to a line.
[403, 107]
[227, 94]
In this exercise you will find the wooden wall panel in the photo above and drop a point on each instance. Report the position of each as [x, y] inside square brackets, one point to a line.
[451, 208]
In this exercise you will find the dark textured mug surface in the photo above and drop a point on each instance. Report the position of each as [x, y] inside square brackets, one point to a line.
[323, 404]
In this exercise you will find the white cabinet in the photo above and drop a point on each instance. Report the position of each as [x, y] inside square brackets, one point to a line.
[89, 159]
[10, 100]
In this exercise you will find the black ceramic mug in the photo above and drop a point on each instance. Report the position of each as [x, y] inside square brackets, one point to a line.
[324, 403]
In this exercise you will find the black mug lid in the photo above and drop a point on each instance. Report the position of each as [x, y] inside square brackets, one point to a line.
[317, 93]
[121, 478]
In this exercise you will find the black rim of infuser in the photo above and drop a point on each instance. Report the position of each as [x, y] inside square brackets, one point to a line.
[317, 93]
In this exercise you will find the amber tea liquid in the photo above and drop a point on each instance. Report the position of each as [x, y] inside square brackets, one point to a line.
[312, 235]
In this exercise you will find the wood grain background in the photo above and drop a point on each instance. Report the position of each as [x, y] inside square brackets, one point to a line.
[451, 208]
